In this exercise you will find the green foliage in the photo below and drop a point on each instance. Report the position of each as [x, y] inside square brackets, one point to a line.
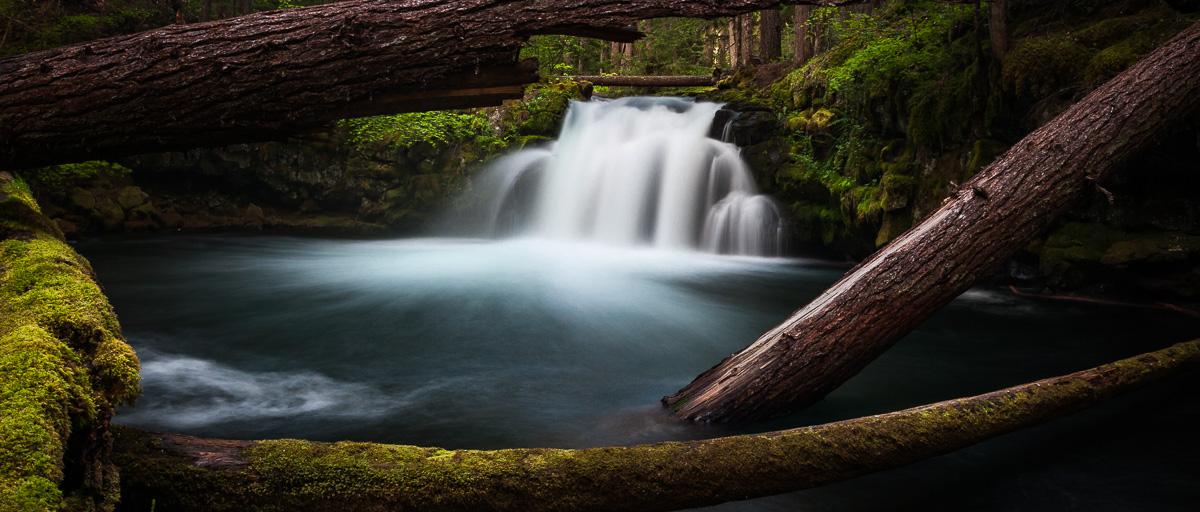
[671, 46]
[65, 176]
[564, 55]
[542, 109]
[434, 128]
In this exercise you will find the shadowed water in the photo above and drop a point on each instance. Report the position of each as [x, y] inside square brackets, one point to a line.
[524, 343]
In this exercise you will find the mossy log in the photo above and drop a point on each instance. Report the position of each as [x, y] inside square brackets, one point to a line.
[63, 367]
[182, 473]
[267, 75]
[647, 80]
[980, 226]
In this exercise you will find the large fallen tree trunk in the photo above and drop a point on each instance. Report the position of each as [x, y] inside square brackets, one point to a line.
[181, 473]
[980, 226]
[648, 81]
[264, 76]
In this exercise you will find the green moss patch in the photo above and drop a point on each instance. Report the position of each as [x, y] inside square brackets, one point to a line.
[63, 366]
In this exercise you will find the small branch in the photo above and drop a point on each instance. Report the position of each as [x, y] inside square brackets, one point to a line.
[1107, 302]
[647, 81]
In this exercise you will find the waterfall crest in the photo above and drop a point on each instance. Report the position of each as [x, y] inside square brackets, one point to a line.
[633, 171]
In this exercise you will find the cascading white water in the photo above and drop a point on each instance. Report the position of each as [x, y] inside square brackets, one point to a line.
[634, 171]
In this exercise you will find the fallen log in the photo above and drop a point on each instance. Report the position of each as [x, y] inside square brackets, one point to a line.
[647, 81]
[182, 473]
[268, 75]
[979, 227]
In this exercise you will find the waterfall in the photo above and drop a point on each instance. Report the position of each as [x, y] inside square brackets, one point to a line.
[633, 171]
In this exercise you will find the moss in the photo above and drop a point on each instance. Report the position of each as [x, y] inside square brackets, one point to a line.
[818, 120]
[894, 224]
[1039, 66]
[541, 111]
[983, 152]
[412, 131]
[1075, 242]
[1157, 247]
[897, 190]
[63, 363]
[83, 174]
[1149, 34]
[131, 197]
[816, 223]
[1109, 31]
[865, 203]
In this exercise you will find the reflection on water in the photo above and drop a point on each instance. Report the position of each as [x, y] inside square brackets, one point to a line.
[473, 344]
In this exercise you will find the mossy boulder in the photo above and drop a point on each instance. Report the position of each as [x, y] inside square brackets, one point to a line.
[108, 212]
[1080, 254]
[131, 197]
[82, 199]
[897, 191]
[812, 120]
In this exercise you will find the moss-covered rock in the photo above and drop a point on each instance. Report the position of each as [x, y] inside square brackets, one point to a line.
[1041, 65]
[131, 197]
[897, 190]
[541, 112]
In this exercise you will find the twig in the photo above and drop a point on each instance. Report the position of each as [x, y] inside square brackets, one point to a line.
[1107, 302]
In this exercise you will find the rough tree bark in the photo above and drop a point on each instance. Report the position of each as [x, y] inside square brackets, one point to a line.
[181, 473]
[264, 76]
[735, 42]
[982, 224]
[802, 44]
[647, 81]
[748, 44]
[769, 28]
[998, 27]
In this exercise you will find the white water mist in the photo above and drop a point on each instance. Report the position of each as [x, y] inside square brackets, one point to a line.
[634, 171]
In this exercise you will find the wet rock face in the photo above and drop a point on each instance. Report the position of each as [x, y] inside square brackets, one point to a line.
[298, 182]
[745, 124]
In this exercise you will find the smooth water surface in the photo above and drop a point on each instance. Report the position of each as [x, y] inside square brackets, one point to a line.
[474, 344]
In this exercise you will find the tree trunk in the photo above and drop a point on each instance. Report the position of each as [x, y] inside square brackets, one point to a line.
[735, 40]
[181, 473]
[648, 81]
[979, 227]
[802, 44]
[267, 75]
[769, 28]
[998, 28]
[748, 43]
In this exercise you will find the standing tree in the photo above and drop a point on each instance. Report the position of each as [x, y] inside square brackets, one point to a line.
[734, 33]
[769, 28]
[998, 28]
[802, 42]
[747, 44]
